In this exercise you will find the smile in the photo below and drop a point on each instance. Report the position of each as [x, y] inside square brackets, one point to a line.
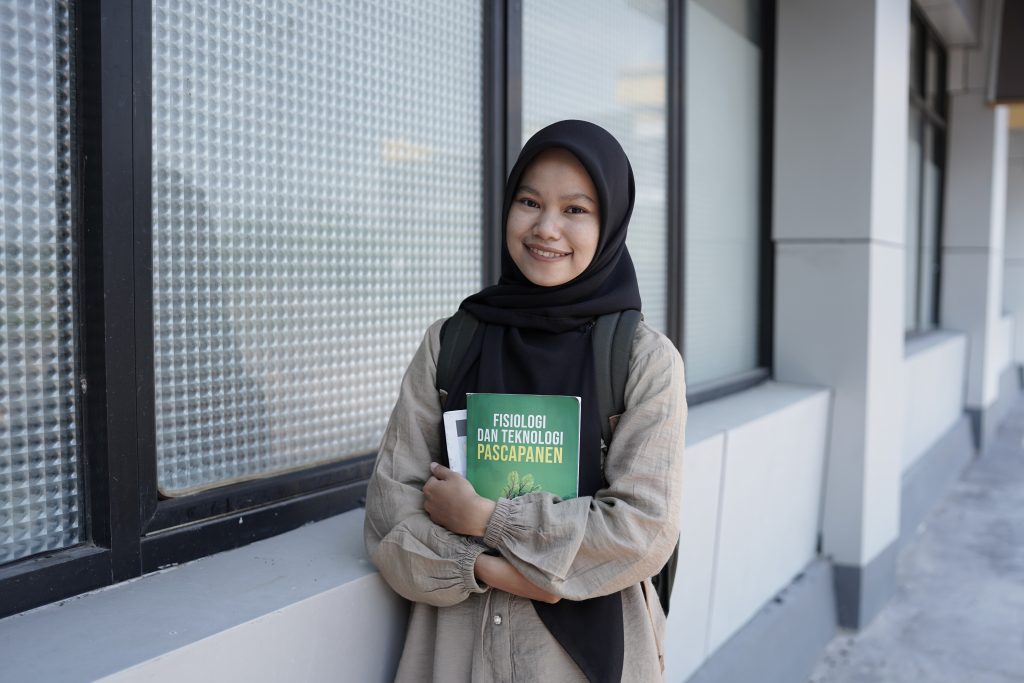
[544, 255]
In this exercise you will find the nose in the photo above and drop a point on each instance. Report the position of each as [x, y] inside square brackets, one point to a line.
[548, 225]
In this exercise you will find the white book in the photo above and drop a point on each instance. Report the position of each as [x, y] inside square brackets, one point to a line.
[455, 438]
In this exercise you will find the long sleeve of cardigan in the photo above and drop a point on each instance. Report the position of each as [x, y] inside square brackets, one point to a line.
[589, 546]
[419, 559]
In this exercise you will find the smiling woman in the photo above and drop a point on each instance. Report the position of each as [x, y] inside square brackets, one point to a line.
[554, 222]
[533, 587]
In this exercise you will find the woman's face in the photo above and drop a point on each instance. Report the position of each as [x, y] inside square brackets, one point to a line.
[554, 222]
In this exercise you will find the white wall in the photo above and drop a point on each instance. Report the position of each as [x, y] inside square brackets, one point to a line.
[750, 517]
[974, 214]
[1013, 283]
[933, 381]
[308, 605]
[838, 227]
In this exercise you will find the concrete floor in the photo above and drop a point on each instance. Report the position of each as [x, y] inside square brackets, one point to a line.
[958, 613]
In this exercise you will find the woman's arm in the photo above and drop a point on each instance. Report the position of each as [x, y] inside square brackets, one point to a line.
[420, 560]
[499, 573]
[590, 546]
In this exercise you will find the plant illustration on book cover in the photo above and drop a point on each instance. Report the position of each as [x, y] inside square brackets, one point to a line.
[522, 443]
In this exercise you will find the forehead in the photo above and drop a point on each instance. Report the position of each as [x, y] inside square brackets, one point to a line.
[557, 165]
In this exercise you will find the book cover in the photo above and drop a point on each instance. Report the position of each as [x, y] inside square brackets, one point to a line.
[521, 443]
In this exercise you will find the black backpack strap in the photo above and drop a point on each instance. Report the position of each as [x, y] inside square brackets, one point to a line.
[456, 335]
[664, 579]
[613, 343]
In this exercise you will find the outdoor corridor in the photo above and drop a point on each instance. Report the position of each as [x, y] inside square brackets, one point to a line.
[958, 613]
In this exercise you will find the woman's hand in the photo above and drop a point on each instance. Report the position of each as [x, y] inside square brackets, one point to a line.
[497, 572]
[450, 500]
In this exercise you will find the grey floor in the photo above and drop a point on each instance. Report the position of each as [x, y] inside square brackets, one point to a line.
[958, 613]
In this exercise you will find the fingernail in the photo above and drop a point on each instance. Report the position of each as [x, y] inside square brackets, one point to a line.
[433, 466]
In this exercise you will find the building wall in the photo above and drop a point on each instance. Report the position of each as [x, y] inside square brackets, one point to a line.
[1013, 284]
[309, 604]
[933, 378]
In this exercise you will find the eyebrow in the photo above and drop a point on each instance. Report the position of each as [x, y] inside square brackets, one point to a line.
[576, 195]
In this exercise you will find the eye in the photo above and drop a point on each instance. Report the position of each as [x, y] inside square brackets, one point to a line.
[576, 209]
[526, 201]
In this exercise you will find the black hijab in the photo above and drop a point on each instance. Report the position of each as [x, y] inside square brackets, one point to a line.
[537, 340]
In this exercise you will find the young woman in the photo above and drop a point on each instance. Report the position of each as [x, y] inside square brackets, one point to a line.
[557, 589]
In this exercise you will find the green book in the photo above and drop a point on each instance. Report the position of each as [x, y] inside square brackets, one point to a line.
[521, 443]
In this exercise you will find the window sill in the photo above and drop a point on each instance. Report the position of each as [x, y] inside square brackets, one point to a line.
[143, 624]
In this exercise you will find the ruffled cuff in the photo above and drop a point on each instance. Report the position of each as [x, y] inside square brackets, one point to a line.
[467, 561]
[500, 524]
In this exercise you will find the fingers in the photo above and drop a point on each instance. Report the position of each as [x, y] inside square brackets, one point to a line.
[439, 470]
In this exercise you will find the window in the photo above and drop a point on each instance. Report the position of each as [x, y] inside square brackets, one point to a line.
[617, 78]
[316, 205]
[222, 248]
[726, 218]
[41, 496]
[926, 151]
[226, 226]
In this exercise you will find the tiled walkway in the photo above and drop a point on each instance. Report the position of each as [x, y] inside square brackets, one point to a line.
[958, 613]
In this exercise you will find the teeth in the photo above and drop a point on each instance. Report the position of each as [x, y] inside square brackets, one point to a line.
[545, 254]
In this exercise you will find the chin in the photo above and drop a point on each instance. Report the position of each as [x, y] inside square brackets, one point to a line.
[548, 281]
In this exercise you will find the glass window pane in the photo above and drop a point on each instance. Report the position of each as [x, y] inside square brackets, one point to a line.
[931, 217]
[40, 461]
[933, 75]
[916, 56]
[723, 195]
[316, 204]
[913, 220]
[609, 68]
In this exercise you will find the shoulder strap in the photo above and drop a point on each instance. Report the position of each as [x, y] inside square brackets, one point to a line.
[456, 336]
[613, 343]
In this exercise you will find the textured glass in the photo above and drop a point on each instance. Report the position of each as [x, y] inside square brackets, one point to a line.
[723, 194]
[317, 181]
[40, 460]
[604, 61]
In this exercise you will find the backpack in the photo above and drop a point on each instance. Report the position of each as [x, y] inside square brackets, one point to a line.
[613, 342]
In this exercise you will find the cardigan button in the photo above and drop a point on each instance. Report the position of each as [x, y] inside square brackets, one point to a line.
[497, 620]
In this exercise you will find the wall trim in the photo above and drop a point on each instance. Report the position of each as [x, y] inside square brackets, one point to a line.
[985, 421]
[783, 641]
[863, 590]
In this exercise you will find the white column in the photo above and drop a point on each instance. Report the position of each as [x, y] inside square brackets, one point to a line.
[974, 218]
[839, 211]
[1013, 273]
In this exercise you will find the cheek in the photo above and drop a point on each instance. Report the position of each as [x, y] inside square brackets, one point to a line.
[513, 229]
[587, 243]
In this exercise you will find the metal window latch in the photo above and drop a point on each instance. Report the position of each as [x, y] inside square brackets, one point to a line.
[84, 384]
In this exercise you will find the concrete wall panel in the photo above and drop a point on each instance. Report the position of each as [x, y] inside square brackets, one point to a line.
[771, 496]
[686, 631]
[933, 379]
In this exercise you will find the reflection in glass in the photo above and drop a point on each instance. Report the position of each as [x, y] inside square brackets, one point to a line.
[604, 61]
[316, 204]
[723, 191]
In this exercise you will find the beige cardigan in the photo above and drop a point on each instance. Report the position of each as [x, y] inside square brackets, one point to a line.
[460, 630]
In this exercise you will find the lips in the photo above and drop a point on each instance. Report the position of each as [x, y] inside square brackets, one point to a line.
[545, 254]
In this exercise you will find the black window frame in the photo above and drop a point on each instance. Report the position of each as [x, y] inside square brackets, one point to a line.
[932, 113]
[708, 391]
[129, 529]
